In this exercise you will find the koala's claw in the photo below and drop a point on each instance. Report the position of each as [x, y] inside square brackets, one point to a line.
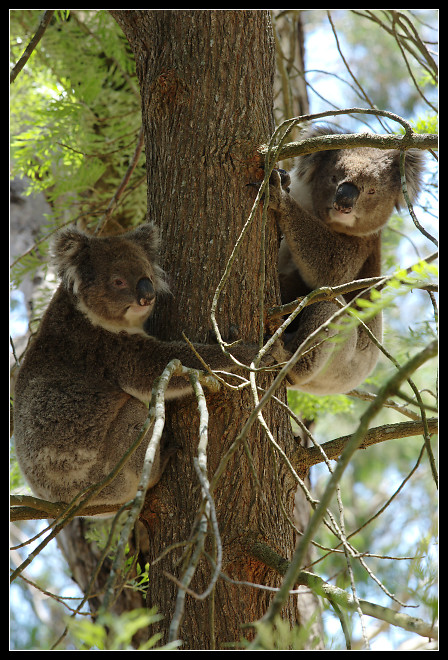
[285, 179]
[277, 355]
[254, 184]
[279, 178]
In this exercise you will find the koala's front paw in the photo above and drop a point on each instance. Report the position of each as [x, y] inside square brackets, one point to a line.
[275, 190]
[278, 186]
[276, 355]
[279, 352]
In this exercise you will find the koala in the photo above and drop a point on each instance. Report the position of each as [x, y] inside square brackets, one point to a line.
[85, 379]
[331, 210]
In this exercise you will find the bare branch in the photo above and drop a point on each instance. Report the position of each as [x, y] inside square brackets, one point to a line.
[309, 456]
[44, 22]
[272, 559]
[27, 507]
[200, 465]
[351, 140]
[389, 388]
[157, 412]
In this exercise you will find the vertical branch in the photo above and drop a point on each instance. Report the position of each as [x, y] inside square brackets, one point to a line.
[123, 184]
[200, 465]
[158, 411]
[284, 77]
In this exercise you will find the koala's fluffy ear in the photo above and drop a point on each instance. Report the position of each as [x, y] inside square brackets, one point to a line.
[414, 165]
[307, 165]
[67, 249]
[147, 236]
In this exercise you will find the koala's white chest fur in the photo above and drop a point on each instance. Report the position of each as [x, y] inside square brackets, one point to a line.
[131, 322]
[344, 219]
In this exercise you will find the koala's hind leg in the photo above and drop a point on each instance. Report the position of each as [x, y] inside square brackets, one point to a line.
[316, 356]
[122, 433]
[328, 366]
[73, 452]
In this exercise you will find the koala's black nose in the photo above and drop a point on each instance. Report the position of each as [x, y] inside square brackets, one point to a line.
[345, 198]
[145, 291]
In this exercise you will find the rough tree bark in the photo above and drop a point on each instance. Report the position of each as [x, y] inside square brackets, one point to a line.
[206, 80]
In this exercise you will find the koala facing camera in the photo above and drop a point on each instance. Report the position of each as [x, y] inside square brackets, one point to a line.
[85, 379]
[331, 210]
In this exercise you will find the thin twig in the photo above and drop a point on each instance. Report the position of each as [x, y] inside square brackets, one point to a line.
[408, 201]
[329, 293]
[124, 182]
[157, 412]
[268, 556]
[44, 22]
[389, 388]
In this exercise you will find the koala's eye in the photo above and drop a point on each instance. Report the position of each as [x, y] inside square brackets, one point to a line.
[334, 179]
[119, 283]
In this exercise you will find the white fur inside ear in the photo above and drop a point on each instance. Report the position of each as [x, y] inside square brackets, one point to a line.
[71, 278]
[301, 191]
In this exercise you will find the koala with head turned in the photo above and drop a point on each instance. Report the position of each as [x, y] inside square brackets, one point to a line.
[84, 381]
[331, 211]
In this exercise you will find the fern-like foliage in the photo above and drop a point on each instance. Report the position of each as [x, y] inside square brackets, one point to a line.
[75, 121]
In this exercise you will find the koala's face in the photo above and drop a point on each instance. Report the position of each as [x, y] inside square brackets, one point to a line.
[114, 280]
[116, 289]
[355, 190]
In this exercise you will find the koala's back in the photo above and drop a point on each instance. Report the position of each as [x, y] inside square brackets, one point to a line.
[67, 405]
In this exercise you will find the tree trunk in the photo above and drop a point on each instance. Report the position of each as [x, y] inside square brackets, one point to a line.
[206, 80]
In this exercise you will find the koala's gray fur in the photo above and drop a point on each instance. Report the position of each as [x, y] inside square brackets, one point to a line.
[81, 390]
[331, 220]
